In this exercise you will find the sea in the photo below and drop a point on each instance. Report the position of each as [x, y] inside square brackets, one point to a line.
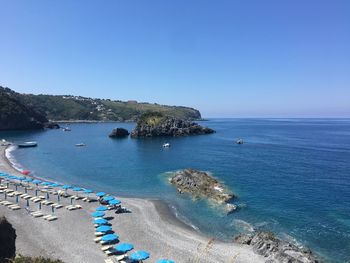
[291, 176]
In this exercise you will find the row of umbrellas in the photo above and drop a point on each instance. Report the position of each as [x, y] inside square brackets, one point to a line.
[98, 215]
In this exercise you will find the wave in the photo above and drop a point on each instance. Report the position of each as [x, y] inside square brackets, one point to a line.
[182, 218]
[243, 225]
[12, 160]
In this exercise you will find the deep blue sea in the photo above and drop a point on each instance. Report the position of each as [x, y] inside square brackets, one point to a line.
[292, 176]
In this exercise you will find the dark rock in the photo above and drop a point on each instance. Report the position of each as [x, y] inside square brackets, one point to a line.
[275, 249]
[7, 240]
[51, 125]
[200, 184]
[119, 133]
[155, 125]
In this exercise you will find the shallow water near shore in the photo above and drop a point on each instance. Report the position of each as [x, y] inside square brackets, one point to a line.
[292, 176]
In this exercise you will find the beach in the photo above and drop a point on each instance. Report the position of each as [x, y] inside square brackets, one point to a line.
[150, 226]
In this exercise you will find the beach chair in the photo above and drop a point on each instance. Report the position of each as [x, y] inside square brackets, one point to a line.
[47, 216]
[103, 248]
[52, 218]
[98, 234]
[109, 252]
[109, 260]
[97, 239]
[37, 214]
[120, 257]
[27, 197]
[36, 200]
[14, 207]
[71, 207]
[78, 206]
[8, 203]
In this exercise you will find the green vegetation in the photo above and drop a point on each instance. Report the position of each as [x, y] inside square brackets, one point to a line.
[22, 259]
[151, 119]
[67, 107]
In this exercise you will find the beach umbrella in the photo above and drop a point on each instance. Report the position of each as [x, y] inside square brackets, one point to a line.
[55, 185]
[77, 189]
[114, 202]
[98, 214]
[101, 208]
[28, 180]
[46, 183]
[139, 255]
[108, 198]
[100, 221]
[66, 186]
[36, 182]
[103, 229]
[100, 194]
[124, 247]
[87, 191]
[165, 261]
[109, 237]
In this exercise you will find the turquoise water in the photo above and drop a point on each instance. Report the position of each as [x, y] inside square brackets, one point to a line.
[292, 176]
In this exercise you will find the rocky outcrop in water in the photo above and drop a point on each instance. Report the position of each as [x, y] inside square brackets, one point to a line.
[119, 133]
[276, 250]
[200, 184]
[155, 125]
[7, 240]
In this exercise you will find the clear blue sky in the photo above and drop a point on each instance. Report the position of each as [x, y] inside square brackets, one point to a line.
[226, 58]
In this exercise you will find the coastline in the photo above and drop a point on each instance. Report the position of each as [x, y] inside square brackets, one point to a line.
[151, 226]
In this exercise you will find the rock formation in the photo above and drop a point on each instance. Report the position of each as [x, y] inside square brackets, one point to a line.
[200, 184]
[276, 250]
[7, 240]
[156, 124]
[119, 133]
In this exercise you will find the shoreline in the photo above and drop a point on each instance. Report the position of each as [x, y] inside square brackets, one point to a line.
[151, 226]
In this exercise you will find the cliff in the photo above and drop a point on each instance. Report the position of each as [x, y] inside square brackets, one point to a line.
[16, 115]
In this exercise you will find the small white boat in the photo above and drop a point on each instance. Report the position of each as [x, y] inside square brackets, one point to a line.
[66, 129]
[28, 144]
[166, 145]
[80, 144]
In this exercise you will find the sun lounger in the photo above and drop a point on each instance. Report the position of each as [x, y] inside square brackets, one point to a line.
[52, 218]
[109, 260]
[57, 206]
[71, 207]
[47, 216]
[97, 239]
[78, 206]
[120, 257]
[103, 248]
[36, 200]
[8, 190]
[37, 214]
[11, 194]
[98, 234]
[41, 197]
[109, 252]
[27, 197]
[8, 203]
[18, 193]
[15, 207]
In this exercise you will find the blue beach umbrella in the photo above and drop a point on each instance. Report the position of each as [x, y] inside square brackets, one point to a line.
[66, 186]
[28, 180]
[36, 182]
[87, 191]
[114, 202]
[165, 261]
[101, 208]
[46, 183]
[77, 189]
[98, 214]
[100, 221]
[124, 247]
[139, 255]
[108, 198]
[100, 194]
[109, 237]
[55, 185]
[103, 229]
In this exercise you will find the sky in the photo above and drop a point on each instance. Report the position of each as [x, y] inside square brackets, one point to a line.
[235, 58]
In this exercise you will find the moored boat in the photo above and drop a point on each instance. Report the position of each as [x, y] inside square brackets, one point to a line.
[28, 144]
[80, 144]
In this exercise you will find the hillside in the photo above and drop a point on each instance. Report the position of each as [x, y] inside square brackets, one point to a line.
[16, 115]
[67, 107]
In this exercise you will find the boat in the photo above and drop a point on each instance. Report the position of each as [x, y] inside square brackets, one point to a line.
[239, 141]
[80, 144]
[66, 129]
[28, 144]
[166, 145]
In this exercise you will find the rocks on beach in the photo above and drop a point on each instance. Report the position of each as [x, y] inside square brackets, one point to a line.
[119, 133]
[155, 125]
[7, 240]
[275, 249]
[201, 184]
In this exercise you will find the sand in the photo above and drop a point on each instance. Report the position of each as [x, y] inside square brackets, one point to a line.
[151, 226]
